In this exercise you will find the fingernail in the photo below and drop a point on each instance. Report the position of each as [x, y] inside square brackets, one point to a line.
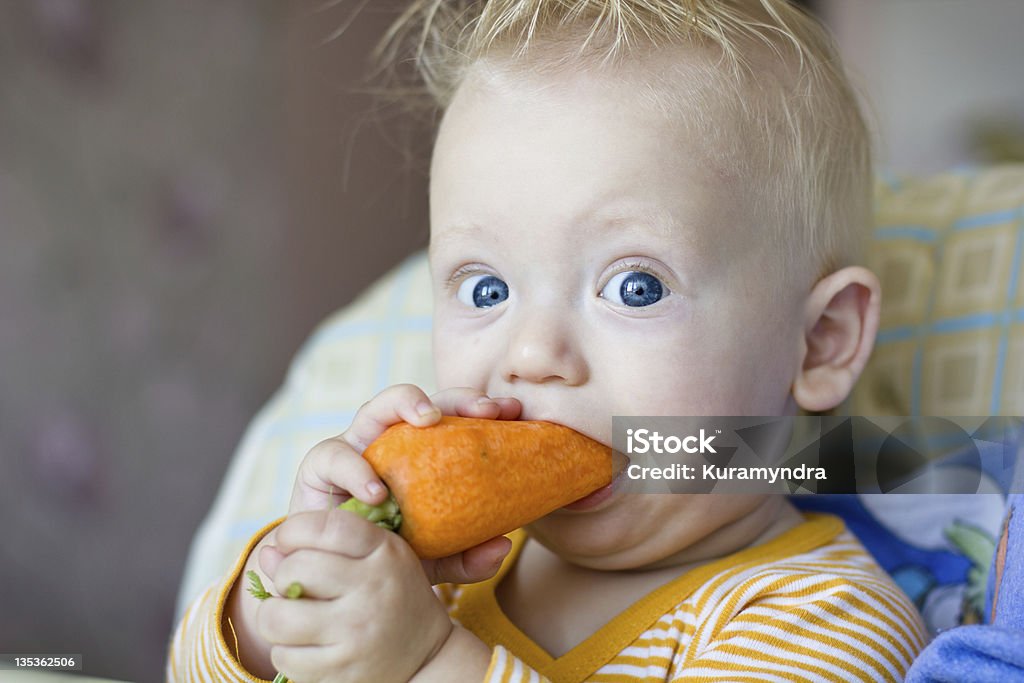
[424, 409]
[484, 401]
[374, 489]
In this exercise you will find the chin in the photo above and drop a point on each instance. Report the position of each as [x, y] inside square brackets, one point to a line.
[591, 540]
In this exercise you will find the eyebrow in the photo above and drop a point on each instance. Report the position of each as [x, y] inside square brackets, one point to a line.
[602, 220]
[661, 222]
[458, 230]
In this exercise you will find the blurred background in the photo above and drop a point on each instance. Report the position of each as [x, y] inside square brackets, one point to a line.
[187, 187]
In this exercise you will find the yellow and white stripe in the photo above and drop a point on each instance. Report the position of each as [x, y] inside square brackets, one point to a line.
[811, 605]
[203, 649]
[808, 605]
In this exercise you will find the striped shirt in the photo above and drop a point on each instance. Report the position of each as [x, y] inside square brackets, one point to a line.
[808, 605]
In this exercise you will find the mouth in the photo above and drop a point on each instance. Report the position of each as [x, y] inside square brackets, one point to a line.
[599, 497]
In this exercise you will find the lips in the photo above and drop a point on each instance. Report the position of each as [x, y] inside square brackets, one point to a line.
[595, 498]
[591, 500]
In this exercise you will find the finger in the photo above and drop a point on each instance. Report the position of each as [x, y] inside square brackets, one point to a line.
[398, 403]
[511, 408]
[281, 621]
[323, 575]
[318, 662]
[336, 531]
[476, 564]
[466, 402]
[269, 559]
[333, 466]
[469, 402]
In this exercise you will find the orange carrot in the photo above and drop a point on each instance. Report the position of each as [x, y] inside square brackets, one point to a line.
[465, 480]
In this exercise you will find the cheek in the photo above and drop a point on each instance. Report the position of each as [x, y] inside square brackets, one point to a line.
[707, 368]
[459, 357]
[450, 367]
[756, 365]
[664, 371]
[445, 351]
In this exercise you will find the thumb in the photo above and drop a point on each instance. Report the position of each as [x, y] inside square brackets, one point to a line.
[470, 566]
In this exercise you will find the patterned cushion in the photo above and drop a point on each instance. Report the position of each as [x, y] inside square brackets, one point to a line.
[948, 251]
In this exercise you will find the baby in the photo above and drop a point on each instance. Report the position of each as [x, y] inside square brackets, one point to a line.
[637, 208]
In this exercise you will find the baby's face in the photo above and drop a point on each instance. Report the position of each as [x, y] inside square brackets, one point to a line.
[589, 258]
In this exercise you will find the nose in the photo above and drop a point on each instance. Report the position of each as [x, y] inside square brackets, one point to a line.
[544, 347]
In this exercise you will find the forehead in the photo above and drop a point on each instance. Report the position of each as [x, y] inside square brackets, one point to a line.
[561, 121]
[617, 141]
[684, 84]
[678, 100]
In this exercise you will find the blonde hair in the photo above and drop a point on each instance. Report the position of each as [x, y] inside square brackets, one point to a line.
[782, 77]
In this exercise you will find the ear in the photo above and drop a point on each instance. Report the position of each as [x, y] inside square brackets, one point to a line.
[841, 317]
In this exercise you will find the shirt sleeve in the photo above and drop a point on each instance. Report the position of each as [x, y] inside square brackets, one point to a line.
[507, 668]
[807, 627]
[203, 648]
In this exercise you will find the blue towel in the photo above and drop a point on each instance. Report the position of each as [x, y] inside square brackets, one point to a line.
[978, 654]
[986, 653]
[1010, 605]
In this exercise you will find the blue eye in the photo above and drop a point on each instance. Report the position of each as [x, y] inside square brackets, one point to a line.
[482, 291]
[634, 288]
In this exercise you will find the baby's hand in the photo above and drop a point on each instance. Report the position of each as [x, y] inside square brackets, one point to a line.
[367, 612]
[334, 469]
